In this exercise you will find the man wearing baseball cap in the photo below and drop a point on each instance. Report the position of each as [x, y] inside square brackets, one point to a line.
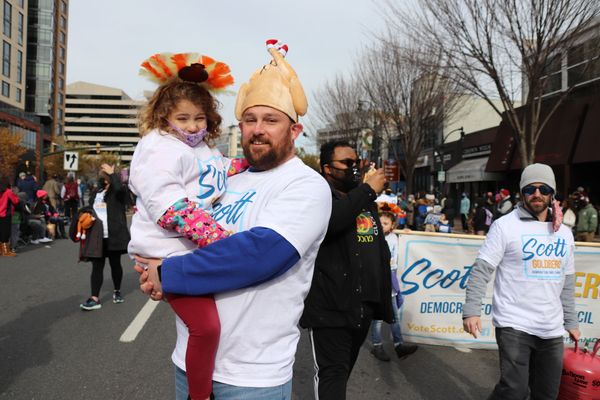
[533, 302]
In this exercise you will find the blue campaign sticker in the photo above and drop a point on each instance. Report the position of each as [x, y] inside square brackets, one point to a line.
[544, 256]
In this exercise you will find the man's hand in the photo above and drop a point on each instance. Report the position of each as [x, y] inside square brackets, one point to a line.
[376, 181]
[472, 325]
[575, 334]
[108, 169]
[149, 282]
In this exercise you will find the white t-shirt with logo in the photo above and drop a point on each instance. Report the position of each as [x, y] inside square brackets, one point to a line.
[101, 211]
[259, 331]
[163, 171]
[532, 262]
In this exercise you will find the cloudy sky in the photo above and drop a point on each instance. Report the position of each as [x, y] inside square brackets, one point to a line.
[109, 39]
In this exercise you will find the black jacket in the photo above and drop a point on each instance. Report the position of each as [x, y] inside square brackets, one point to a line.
[334, 299]
[91, 247]
[116, 200]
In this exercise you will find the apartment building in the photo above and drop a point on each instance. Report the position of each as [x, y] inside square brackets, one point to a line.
[103, 115]
[13, 113]
[47, 28]
[229, 142]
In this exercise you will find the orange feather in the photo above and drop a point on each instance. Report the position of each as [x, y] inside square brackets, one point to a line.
[219, 82]
[146, 65]
[206, 61]
[161, 63]
[220, 69]
[180, 60]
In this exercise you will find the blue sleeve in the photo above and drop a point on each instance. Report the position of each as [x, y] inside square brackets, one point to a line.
[241, 260]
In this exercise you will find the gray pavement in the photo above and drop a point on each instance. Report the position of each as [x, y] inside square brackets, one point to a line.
[49, 349]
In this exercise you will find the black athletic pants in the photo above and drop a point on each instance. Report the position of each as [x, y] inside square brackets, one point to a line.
[335, 351]
[116, 270]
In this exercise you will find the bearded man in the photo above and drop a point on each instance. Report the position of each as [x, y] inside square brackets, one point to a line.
[261, 274]
[533, 302]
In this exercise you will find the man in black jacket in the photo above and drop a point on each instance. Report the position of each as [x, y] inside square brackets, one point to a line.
[351, 284]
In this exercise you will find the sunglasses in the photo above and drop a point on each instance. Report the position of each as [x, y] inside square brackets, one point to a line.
[348, 162]
[529, 190]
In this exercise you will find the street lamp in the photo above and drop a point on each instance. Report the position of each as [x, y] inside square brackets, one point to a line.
[441, 174]
[461, 130]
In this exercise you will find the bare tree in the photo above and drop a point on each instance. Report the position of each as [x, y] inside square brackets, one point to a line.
[498, 48]
[336, 110]
[410, 97]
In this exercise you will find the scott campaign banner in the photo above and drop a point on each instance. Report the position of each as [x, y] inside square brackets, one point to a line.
[433, 271]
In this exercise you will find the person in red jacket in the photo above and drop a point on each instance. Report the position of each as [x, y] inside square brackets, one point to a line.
[8, 200]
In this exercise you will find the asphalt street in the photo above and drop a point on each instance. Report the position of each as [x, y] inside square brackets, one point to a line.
[50, 349]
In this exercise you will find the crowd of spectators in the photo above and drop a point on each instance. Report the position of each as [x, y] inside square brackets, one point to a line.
[45, 209]
[474, 214]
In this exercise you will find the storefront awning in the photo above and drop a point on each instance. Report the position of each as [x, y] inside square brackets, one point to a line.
[471, 170]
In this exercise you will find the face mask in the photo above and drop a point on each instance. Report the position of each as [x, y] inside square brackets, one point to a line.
[350, 180]
[191, 139]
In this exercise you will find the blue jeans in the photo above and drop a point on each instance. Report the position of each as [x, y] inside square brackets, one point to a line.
[396, 332]
[222, 391]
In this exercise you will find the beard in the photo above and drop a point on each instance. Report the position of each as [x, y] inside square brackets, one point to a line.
[268, 155]
[536, 204]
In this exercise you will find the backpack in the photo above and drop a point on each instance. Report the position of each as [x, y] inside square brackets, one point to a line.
[71, 191]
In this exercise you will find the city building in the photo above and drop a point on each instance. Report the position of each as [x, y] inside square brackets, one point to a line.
[446, 142]
[104, 116]
[229, 142]
[13, 112]
[46, 60]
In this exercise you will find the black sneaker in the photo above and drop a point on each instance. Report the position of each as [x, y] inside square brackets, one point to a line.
[90, 304]
[404, 350]
[117, 298]
[379, 353]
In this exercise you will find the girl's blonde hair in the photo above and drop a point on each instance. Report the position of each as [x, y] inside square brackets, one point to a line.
[164, 100]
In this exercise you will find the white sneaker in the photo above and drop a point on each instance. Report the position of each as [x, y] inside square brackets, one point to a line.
[45, 240]
[34, 241]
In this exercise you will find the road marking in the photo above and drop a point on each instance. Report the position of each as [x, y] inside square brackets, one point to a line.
[138, 322]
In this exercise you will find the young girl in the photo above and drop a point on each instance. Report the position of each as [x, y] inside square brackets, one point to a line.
[387, 215]
[176, 177]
